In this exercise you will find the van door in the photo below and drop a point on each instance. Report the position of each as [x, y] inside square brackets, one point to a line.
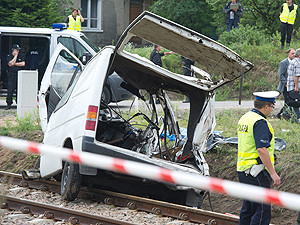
[59, 74]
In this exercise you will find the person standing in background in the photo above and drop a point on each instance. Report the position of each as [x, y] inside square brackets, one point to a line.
[283, 75]
[288, 13]
[16, 62]
[293, 82]
[74, 21]
[233, 11]
[187, 71]
[156, 55]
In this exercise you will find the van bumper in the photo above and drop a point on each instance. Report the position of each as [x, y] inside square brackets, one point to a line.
[89, 145]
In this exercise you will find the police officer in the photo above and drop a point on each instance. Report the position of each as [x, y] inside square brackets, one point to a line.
[187, 71]
[288, 13]
[298, 219]
[16, 62]
[156, 55]
[255, 163]
[74, 21]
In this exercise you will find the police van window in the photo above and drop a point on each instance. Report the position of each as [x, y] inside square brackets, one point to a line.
[62, 72]
[85, 39]
[79, 49]
[73, 45]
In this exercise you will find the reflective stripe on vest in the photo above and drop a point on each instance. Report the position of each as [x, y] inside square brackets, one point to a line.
[74, 25]
[247, 152]
[286, 16]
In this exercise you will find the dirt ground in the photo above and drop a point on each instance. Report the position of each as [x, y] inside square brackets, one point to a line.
[12, 161]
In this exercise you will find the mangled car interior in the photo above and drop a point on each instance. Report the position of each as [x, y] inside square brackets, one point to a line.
[140, 135]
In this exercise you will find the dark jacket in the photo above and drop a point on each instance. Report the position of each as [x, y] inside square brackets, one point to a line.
[155, 57]
[15, 69]
[237, 14]
[283, 74]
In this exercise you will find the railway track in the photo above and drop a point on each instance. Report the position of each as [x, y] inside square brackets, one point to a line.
[57, 213]
[117, 199]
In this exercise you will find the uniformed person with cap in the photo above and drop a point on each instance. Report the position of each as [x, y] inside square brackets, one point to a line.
[255, 164]
[156, 55]
[16, 62]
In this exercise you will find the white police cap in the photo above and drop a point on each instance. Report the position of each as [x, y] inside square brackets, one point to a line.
[268, 96]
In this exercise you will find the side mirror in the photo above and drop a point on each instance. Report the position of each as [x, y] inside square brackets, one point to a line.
[86, 57]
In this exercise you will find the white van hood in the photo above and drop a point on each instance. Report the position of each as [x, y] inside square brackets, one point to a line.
[213, 57]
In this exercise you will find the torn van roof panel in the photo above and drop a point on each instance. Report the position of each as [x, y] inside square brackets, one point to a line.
[152, 78]
[210, 54]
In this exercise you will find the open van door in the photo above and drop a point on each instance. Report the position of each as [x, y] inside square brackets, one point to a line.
[223, 64]
[59, 75]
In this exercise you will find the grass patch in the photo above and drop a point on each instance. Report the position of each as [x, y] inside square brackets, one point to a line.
[27, 127]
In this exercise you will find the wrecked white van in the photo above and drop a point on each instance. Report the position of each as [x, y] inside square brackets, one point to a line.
[82, 121]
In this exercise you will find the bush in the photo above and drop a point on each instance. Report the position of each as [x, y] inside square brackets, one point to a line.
[244, 35]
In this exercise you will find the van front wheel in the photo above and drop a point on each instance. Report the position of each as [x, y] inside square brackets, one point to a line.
[70, 182]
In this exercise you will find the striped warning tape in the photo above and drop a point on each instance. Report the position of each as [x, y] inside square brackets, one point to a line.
[239, 190]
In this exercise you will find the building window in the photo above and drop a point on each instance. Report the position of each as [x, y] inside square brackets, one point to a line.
[91, 12]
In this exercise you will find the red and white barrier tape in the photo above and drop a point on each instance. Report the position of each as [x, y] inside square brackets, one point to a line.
[239, 190]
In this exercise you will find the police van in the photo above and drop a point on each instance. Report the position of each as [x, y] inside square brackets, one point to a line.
[38, 45]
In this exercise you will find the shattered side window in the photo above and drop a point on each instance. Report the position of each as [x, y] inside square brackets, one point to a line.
[62, 72]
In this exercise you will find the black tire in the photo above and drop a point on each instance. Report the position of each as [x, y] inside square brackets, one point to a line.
[106, 96]
[70, 182]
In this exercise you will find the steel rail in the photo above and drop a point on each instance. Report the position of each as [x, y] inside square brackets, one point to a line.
[57, 213]
[132, 202]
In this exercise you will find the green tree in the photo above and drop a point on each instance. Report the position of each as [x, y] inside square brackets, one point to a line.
[32, 13]
[194, 14]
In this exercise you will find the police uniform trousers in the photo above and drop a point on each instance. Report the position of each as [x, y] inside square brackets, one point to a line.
[253, 213]
[286, 31]
[298, 219]
[11, 86]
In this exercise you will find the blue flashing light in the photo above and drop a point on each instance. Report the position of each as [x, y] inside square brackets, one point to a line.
[60, 26]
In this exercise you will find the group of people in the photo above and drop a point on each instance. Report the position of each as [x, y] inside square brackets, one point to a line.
[255, 164]
[288, 73]
[256, 142]
[288, 13]
[16, 59]
[256, 139]
[156, 55]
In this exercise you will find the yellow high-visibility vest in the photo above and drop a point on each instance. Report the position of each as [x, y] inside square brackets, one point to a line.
[286, 16]
[74, 25]
[247, 152]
